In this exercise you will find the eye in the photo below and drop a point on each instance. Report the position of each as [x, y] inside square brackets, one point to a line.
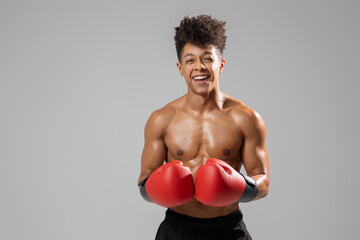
[189, 61]
[208, 59]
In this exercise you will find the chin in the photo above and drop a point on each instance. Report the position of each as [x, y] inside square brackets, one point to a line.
[201, 90]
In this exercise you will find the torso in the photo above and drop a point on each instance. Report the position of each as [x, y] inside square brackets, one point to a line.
[193, 138]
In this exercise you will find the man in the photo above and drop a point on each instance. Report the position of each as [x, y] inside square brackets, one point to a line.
[204, 137]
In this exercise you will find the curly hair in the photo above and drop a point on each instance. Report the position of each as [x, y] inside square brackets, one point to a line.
[201, 30]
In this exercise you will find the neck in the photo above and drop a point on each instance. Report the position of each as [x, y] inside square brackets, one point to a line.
[204, 103]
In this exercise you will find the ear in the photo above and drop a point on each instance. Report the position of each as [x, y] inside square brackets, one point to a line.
[180, 68]
[222, 63]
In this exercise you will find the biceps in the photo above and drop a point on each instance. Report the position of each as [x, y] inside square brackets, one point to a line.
[255, 158]
[153, 156]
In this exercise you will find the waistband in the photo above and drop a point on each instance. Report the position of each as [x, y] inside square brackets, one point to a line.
[229, 220]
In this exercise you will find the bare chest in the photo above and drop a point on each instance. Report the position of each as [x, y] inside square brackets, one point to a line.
[196, 138]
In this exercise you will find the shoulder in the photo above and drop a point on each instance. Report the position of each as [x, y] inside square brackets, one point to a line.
[162, 115]
[244, 116]
[161, 118]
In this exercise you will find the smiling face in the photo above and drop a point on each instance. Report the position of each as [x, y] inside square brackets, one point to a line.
[200, 66]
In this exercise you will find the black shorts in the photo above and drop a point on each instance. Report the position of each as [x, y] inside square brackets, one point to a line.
[177, 226]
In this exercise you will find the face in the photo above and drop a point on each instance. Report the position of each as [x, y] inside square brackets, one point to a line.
[200, 66]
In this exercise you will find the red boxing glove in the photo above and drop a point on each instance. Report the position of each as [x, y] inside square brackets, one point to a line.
[217, 184]
[170, 185]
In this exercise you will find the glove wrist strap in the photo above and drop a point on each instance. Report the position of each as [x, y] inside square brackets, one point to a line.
[251, 189]
[142, 189]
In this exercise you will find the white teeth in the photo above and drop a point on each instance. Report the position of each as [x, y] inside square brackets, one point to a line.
[200, 77]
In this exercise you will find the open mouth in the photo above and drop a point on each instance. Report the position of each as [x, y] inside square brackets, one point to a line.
[201, 78]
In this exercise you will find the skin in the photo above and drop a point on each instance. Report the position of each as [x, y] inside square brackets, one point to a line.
[206, 123]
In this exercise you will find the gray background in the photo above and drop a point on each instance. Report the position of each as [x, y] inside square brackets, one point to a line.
[79, 79]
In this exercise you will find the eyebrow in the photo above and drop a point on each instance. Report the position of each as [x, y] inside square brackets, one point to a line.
[191, 54]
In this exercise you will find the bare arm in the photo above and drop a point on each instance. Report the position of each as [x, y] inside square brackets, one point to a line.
[154, 152]
[254, 153]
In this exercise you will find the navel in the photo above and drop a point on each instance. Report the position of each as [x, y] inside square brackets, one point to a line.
[226, 151]
[180, 152]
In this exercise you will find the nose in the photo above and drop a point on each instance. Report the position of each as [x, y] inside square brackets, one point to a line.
[199, 66]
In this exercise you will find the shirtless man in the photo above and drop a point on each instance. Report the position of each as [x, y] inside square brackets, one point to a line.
[203, 124]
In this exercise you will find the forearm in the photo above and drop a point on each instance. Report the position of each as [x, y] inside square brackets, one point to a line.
[262, 181]
[144, 175]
